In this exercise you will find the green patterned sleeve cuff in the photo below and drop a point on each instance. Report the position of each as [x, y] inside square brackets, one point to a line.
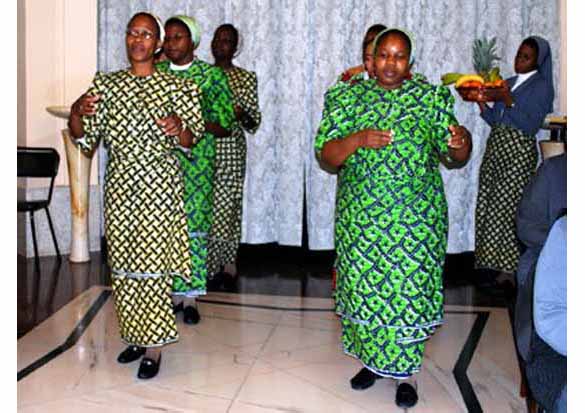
[188, 107]
[332, 119]
[444, 117]
[222, 101]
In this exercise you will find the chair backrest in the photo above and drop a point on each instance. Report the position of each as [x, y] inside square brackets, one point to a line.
[38, 163]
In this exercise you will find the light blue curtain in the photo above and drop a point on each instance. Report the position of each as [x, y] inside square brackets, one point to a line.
[297, 48]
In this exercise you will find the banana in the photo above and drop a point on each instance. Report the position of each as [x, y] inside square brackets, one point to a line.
[468, 78]
[449, 78]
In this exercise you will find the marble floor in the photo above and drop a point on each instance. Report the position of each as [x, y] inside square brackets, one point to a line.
[257, 353]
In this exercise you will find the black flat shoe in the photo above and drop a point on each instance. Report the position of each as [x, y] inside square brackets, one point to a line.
[177, 308]
[406, 396]
[214, 283]
[364, 379]
[132, 353]
[148, 368]
[230, 283]
[191, 315]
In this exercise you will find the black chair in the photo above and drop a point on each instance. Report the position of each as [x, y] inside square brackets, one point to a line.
[38, 163]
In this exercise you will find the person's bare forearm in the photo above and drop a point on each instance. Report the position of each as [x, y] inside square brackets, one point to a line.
[75, 125]
[186, 138]
[335, 152]
[217, 130]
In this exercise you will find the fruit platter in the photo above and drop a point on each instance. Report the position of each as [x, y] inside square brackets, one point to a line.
[486, 85]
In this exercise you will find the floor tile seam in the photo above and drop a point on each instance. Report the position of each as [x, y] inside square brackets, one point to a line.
[432, 370]
[174, 390]
[235, 319]
[299, 349]
[62, 311]
[74, 395]
[327, 390]
[495, 375]
[255, 360]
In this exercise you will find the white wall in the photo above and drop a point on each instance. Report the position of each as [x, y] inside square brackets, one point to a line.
[56, 58]
[60, 41]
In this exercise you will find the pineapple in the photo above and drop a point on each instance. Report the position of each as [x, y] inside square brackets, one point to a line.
[486, 73]
[484, 57]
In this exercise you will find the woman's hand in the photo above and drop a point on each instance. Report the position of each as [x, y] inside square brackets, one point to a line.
[502, 94]
[171, 125]
[459, 144]
[85, 105]
[239, 112]
[336, 151]
[460, 137]
[370, 138]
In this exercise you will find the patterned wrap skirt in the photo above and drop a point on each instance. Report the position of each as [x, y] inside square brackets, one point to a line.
[391, 238]
[508, 164]
[228, 192]
[146, 232]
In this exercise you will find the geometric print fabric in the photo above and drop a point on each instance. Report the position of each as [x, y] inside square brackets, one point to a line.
[508, 164]
[199, 168]
[144, 311]
[230, 169]
[391, 221]
[145, 221]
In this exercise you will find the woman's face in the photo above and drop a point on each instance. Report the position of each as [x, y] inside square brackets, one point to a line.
[369, 60]
[526, 59]
[391, 62]
[223, 45]
[141, 39]
[178, 45]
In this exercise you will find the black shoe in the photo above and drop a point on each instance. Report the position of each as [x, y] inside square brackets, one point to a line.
[148, 368]
[191, 315]
[485, 278]
[230, 283]
[177, 308]
[215, 283]
[406, 396]
[364, 379]
[132, 353]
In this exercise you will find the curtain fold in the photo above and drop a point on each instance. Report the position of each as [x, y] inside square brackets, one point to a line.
[297, 49]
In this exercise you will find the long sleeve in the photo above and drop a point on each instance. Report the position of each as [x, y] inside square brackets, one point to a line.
[335, 121]
[444, 116]
[250, 103]
[218, 100]
[94, 127]
[550, 289]
[531, 103]
[187, 101]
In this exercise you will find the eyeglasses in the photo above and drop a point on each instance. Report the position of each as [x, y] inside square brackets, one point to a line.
[143, 34]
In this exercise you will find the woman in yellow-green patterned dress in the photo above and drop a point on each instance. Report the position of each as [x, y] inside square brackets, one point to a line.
[143, 115]
[230, 163]
[388, 136]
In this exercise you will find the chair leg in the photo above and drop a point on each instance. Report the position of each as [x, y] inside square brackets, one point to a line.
[53, 233]
[34, 237]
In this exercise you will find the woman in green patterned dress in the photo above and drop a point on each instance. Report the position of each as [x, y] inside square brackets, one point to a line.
[143, 115]
[389, 135]
[230, 164]
[181, 39]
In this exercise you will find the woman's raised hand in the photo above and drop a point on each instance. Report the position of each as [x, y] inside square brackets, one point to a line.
[371, 138]
[86, 105]
[171, 125]
[460, 137]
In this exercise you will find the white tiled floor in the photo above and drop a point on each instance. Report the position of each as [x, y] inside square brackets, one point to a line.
[243, 359]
